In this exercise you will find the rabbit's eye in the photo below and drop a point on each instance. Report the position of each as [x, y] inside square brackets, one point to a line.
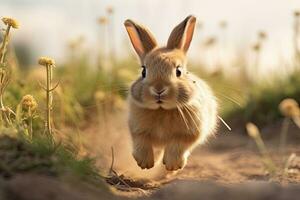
[178, 71]
[144, 72]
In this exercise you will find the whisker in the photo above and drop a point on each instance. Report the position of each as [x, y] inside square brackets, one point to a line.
[223, 121]
[230, 98]
[189, 113]
[192, 110]
[183, 117]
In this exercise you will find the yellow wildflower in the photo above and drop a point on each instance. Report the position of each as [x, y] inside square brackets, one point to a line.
[29, 103]
[289, 108]
[252, 130]
[103, 20]
[99, 95]
[45, 61]
[110, 9]
[10, 22]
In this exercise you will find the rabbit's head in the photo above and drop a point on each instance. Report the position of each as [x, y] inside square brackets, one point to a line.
[164, 81]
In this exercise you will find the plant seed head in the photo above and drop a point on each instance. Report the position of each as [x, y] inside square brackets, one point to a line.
[45, 61]
[110, 10]
[102, 20]
[262, 35]
[10, 22]
[210, 41]
[289, 108]
[99, 96]
[256, 46]
[223, 24]
[28, 102]
[252, 130]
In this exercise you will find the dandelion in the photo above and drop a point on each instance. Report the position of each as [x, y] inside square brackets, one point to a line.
[111, 32]
[102, 20]
[4, 72]
[210, 41]
[102, 108]
[29, 103]
[74, 46]
[252, 130]
[262, 35]
[110, 9]
[45, 61]
[99, 96]
[256, 47]
[289, 108]
[254, 133]
[10, 22]
[223, 24]
[49, 63]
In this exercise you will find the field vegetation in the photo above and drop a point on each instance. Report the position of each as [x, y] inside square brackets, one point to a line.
[55, 118]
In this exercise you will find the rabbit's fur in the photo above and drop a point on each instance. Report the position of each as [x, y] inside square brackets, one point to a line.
[170, 108]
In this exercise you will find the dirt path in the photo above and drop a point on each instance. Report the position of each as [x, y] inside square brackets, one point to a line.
[228, 167]
[228, 160]
[234, 159]
[195, 190]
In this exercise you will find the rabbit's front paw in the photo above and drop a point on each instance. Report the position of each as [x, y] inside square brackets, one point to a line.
[173, 162]
[144, 158]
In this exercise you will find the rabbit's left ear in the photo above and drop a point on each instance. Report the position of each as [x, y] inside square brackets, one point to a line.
[182, 34]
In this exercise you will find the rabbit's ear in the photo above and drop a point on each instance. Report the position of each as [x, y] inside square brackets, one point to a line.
[182, 34]
[141, 38]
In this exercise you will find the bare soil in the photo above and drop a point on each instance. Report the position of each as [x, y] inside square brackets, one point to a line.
[229, 166]
[229, 162]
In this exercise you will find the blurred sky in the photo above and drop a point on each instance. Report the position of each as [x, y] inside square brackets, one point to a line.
[48, 25]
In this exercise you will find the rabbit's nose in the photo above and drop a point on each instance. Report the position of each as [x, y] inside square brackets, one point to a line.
[161, 91]
[158, 91]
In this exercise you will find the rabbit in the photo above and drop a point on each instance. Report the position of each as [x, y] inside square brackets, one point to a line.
[169, 107]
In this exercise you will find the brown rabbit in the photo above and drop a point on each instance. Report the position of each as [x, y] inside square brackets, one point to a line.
[170, 108]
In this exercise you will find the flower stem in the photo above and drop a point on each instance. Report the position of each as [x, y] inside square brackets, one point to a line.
[1, 102]
[4, 44]
[49, 99]
[283, 134]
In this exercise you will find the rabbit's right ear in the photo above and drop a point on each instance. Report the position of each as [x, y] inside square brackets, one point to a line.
[141, 38]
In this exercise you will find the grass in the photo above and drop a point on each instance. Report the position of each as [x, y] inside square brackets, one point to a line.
[26, 143]
[20, 154]
[274, 169]
[262, 100]
[255, 134]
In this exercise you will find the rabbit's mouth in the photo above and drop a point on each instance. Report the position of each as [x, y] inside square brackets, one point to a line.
[159, 98]
[159, 101]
